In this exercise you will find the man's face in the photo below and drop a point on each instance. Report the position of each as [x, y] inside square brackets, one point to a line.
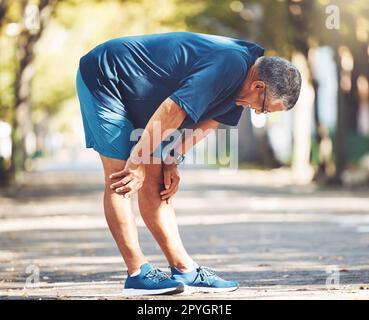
[259, 101]
[269, 106]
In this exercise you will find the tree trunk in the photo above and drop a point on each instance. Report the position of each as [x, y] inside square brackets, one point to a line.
[302, 127]
[248, 148]
[4, 4]
[341, 130]
[21, 122]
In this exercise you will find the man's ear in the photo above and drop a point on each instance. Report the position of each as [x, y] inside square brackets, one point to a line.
[258, 85]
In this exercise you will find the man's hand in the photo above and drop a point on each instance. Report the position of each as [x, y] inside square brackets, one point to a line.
[133, 178]
[171, 181]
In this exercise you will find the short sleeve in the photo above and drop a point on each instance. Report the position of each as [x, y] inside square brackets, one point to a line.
[211, 78]
[232, 117]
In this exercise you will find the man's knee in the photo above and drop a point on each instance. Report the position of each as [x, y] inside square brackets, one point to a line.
[110, 166]
[153, 178]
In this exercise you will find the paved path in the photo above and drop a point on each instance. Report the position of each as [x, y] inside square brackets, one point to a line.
[277, 240]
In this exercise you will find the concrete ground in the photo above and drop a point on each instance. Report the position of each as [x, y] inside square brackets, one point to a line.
[278, 240]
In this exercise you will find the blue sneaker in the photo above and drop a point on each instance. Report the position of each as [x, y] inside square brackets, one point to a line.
[203, 279]
[151, 281]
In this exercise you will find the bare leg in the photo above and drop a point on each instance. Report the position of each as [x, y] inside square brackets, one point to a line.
[160, 218]
[119, 215]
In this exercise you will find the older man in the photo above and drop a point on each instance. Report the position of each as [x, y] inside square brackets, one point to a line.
[179, 80]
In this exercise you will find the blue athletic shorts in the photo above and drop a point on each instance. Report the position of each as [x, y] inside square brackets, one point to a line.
[106, 131]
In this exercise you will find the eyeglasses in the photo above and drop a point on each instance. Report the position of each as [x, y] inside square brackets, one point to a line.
[263, 107]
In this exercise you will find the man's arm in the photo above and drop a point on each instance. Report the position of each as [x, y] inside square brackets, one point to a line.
[170, 116]
[196, 133]
[171, 176]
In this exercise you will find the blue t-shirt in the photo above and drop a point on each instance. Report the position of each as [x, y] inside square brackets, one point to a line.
[202, 73]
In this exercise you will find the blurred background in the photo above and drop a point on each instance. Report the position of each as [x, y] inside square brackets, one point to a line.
[297, 210]
[324, 139]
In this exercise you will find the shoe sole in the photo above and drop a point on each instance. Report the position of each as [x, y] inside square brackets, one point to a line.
[148, 292]
[193, 289]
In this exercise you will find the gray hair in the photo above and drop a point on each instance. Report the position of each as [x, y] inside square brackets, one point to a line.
[282, 79]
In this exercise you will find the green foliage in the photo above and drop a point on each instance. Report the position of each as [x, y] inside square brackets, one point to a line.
[358, 146]
[77, 26]
[7, 77]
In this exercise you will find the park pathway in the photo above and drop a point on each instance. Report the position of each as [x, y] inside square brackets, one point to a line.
[276, 239]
